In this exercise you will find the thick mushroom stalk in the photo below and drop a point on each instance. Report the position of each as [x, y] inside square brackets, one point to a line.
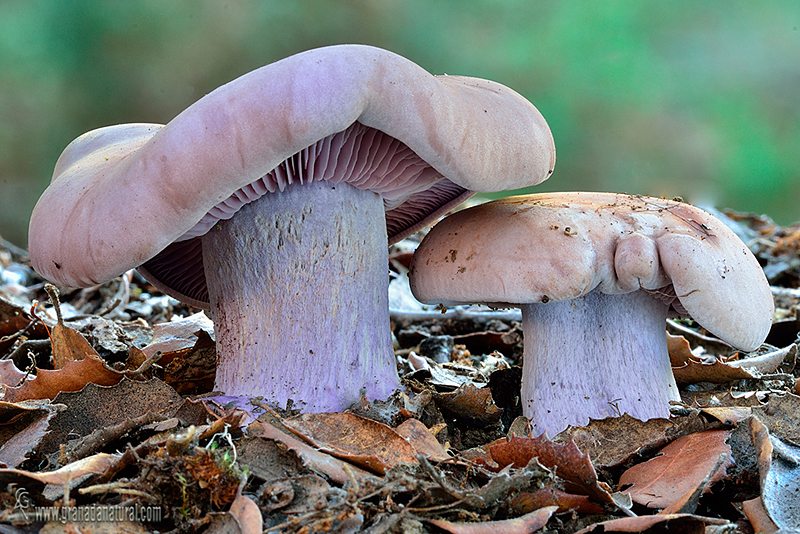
[595, 356]
[299, 278]
[595, 275]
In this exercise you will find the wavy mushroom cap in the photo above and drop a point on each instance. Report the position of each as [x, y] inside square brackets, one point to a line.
[126, 195]
[554, 247]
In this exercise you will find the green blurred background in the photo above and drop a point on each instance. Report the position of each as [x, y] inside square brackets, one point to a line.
[697, 99]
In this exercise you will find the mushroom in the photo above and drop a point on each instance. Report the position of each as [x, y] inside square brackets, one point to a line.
[595, 275]
[271, 201]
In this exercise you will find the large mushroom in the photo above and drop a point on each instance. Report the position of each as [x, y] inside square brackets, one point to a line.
[272, 199]
[595, 275]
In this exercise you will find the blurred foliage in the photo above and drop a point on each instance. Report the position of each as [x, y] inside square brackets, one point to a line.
[698, 99]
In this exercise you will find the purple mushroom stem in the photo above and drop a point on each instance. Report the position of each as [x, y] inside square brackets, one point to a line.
[295, 279]
[598, 354]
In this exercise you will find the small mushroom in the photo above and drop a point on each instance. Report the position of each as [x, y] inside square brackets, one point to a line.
[596, 275]
[271, 201]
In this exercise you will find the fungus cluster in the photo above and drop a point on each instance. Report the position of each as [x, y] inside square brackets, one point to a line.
[596, 275]
[272, 199]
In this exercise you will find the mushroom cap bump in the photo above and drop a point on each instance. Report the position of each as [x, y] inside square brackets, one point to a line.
[120, 195]
[557, 246]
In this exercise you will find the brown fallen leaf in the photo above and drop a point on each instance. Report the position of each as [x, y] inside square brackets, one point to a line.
[675, 523]
[614, 440]
[688, 369]
[528, 501]
[337, 470]
[245, 516]
[566, 460]
[358, 440]
[759, 518]
[9, 374]
[680, 467]
[781, 415]
[470, 402]
[68, 345]
[521, 525]
[73, 376]
[25, 433]
[96, 464]
[418, 435]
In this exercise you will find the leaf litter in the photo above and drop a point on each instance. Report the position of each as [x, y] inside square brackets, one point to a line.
[106, 402]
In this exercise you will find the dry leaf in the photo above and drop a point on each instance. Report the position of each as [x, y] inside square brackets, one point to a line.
[679, 468]
[96, 464]
[527, 501]
[757, 514]
[74, 376]
[337, 470]
[688, 369]
[422, 440]
[675, 523]
[359, 440]
[566, 460]
[521, 525]
[470, 402]
[9, 374]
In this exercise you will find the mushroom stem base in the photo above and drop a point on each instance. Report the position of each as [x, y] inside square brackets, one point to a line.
[298, 285]
[595, 356]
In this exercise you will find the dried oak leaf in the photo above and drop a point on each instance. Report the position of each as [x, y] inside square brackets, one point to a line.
[680, 467]
[688, 369]
[73, 376]
[470, 402]
[520, 525]
[335, 469]
[358, 440]
[614, 440]
[528, 501]
[423, 441]
[25, 425]
[9, 374]
[566, 460]
[673, 523]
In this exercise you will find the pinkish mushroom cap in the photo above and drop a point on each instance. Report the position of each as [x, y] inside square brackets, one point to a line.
[595, 275]
[273, 198]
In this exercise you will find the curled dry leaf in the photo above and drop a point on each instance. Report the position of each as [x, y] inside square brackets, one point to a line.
[73, 376]
[688, 369]
[96, 464]
[470, 402]
[9, 374]
[681, 523]
[178, 335]
[528, 501]
[759, 518]
[335, 469]
[359, 440]
[680, 467]
[521, 525]
[423, 441]
[566, 460]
